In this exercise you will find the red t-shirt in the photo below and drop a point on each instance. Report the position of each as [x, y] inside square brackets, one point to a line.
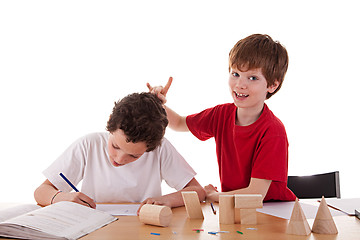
[259, 150]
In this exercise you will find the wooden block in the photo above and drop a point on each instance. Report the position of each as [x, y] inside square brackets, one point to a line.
[324, 223]
[298, 225]
[192, 205]
[226, 209]
[237, 215]
[248, 201]
[248, 216]
[155, 215]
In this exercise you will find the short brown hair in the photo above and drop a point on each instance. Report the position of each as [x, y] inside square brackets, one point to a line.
[260, 51]
[142, 118]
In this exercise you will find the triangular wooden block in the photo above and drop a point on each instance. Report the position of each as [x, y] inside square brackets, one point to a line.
[324, 223]
[298, 225]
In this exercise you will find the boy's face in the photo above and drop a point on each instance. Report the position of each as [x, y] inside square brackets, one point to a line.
[249, 88]
[122, 152]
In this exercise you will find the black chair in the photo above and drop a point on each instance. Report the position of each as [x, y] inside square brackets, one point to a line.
[315, 186]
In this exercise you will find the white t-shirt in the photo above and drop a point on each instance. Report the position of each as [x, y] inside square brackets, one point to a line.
[87, 159]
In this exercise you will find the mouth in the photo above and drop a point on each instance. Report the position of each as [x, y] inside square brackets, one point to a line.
[240, 95]
[118, 165]
[115, 164]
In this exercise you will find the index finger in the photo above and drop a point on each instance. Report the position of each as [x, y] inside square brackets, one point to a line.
[149, 87]
[84, 198]
[167, 86]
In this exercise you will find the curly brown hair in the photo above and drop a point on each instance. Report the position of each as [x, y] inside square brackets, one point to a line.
[142, 118]
[261, 51]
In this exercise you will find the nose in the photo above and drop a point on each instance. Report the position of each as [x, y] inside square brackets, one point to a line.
[241, 82]
[121, 158]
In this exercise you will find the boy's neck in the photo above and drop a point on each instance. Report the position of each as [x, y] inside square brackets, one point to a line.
[247, 116]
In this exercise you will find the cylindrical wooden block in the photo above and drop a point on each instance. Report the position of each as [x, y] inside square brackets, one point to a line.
[226, 209]
[155, 215]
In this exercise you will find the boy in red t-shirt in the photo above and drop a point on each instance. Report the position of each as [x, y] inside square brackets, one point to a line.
[251, 142]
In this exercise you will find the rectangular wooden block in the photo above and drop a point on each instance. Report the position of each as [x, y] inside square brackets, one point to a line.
[237, 215]
[226, 209]
[248, 216]
[192, 205]
[248, 201]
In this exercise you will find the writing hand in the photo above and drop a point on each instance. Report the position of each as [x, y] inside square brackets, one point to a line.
[76, 197]
[160, 91]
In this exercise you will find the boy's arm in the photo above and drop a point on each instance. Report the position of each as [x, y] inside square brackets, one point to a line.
[256, 186]
[175, 199]
[47, 194]
[176, 122]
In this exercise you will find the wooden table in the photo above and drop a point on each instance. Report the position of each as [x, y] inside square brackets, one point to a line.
[268, 228]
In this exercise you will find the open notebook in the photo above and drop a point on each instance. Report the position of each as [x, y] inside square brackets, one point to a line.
[62, 220]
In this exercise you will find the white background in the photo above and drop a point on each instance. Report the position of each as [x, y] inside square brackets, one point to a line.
[64, 63]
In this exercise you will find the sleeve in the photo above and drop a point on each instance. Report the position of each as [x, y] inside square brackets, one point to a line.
[271, 157]
[201, 125]
[176, 172]
[71, 163]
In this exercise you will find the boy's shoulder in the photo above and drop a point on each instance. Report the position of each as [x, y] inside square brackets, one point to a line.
[165, 144]
[271, 122]
[94, 138]
[221, 111]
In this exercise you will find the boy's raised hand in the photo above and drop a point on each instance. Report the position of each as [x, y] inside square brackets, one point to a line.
[160, 91]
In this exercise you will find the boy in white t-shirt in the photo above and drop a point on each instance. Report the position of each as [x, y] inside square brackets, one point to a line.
[125, 164]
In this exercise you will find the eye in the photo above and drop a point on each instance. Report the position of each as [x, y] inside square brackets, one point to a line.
[116, 147]
[253, 78]
[235, 74]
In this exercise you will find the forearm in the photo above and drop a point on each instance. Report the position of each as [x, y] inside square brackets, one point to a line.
[47, 194]
[175, 199]
[176, 122]
[247, 190]
[44, 193]
[256, 186]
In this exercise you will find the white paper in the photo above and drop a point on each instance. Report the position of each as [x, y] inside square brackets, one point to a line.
[119, 209]
[347, 205]
[284, 209]
[16, 211]
[64, 219]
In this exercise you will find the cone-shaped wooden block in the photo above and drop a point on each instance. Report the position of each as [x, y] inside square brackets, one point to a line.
[324, 223]
[298, 225]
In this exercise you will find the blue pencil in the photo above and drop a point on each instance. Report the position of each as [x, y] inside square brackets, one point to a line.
[71, 185]
[68, 182]
[212, 207]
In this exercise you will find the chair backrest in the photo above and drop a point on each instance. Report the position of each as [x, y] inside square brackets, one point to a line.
[315, 186]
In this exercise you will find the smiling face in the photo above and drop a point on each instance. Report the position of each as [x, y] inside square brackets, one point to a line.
[122, 152]
[249, 88]
[260, 51]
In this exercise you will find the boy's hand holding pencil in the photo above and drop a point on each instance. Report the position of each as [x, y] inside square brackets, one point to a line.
[77, 197]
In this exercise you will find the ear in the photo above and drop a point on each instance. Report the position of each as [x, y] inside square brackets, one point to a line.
[273, 87]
